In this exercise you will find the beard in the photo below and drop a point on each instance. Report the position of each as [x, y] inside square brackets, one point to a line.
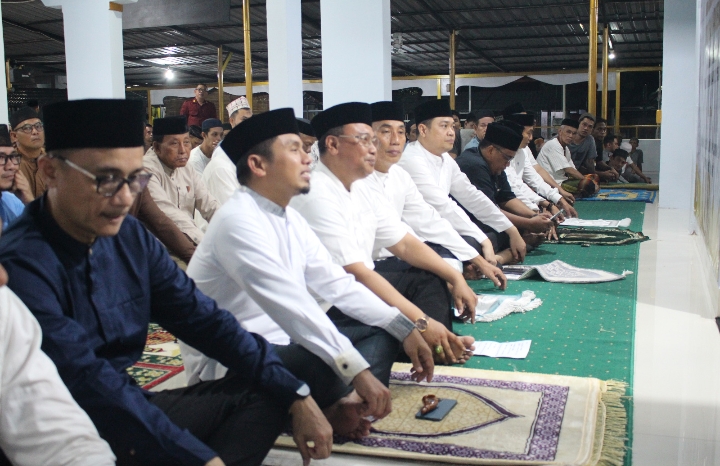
[304, 190]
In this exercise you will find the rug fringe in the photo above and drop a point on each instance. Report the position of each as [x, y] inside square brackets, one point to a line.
[615, 436]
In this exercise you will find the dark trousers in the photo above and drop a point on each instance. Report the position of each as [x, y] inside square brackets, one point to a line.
[422, 288]
[228, 415]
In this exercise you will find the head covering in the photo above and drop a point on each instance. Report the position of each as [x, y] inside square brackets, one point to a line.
[226, 126]
[25, 113]
[237, 104]
[621, 153]
[385, 110]
[170, 125]
[523, 119]
[570, 122]
[432, 109]
[257, 129]
[517, 107]
[195, 131]
[5, 136]
[305, 127]
[339, 115]
[626, 146]
[94, 123]
[484, 113]
[211, 123]
[503, 136]
[512, 125]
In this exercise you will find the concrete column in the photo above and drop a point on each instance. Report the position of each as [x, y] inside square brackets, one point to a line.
[93, 47]
[679, 105]
[356, 51]
[4, 117]
[284, 33]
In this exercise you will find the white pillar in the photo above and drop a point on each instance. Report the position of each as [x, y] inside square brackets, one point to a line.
[4, 117]
[679, 105]
[284, 42]
[355, 51]
[93, 48]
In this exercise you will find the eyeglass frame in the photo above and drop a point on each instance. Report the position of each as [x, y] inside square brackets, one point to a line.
[507, 158]
[100, 179]
[15, 156]
[362, 139]
[39, 127]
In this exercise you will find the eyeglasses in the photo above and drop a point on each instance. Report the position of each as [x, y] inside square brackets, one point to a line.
[364, 140]
[109, 185]
[201, 89]
[508, 158]
[14, 157]
[27, 129]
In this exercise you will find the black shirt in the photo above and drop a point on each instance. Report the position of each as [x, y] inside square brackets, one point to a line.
[474, 165]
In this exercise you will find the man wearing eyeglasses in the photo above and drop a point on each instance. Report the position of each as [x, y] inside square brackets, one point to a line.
[176, 187]
[28, 134]
[198, 109]
[14, 187]
[94, 278]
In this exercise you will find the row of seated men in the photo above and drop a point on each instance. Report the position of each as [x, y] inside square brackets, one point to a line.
[312, 278]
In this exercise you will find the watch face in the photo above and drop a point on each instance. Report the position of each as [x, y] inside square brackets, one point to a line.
[303, 391]
[421, 324]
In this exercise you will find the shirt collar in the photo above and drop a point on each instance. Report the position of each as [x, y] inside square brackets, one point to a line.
[55, 235]
[265, 204]
[322, 168]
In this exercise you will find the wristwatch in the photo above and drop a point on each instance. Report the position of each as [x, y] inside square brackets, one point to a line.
[303, 391]
[422, 323]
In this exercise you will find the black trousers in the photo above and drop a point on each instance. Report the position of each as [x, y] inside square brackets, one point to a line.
[230, 416]
[422, 288]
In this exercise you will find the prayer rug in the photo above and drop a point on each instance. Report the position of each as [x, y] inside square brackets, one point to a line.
[500, 418]
[571, 186]
[160, 360]
[583, 222]
[560, 272]
[615, 194]
[597, 236]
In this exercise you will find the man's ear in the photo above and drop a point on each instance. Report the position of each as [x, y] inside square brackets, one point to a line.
[49, 168]
[332, 144]
[13, 137]
[257, 165]
[422, 129]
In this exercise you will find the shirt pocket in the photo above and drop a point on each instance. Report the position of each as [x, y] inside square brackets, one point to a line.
[125, 324]
[186, 198]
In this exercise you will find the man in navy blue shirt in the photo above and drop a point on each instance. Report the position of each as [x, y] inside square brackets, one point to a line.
[94, 278]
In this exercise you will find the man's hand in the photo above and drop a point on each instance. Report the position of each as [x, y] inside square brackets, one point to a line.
[488, 252]
[552, 233]
[437, 335]
[465, 299]
[310, 425]
[374, 393]
[539, 224]
[215, 462]
[567, 197]
[607, 175]
[420, 356]
[21, 188]
[490, 271]
[569, 209]
[517, 244]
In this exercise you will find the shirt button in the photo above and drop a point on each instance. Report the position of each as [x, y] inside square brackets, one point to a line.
[345, 366]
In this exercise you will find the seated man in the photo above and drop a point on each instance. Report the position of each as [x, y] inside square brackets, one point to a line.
[485, 167]
[599, 133]
[398, 189]
[555, 155]
[220, 175]
[584, 151]
[609, 145]
[94, 278]
[307, 134]
[483, 118]
[28, 134]
[15, 190]
[437, 177]
[260, 259]
[636, 154]
[212, 134]
[351, 220]
[178, 190]
[629, 171]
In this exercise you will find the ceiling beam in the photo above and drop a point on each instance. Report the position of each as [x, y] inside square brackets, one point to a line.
[486, 9]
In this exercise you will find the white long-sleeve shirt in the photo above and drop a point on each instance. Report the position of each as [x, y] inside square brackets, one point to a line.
[398, 188]
[437, 177]
[220, 176]
[524, 165]
[40, 422]
[522, 191]
[258, 261]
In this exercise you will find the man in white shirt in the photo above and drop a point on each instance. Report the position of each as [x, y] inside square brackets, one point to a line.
[220, 175]
[351, 219]
[212, 133]
[40, 422]
[178, 190]
[555, 155]
[438, 177]
[399, 190]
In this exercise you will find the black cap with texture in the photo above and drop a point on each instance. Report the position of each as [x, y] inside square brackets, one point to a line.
[5, 137]
[523, 119]
[305, 127]
[484, 113]
[386, 110]
[503, 136]
[170, 125]
[570, 122]
[517, 107]
[512, 125]
[257, 129]
[432, 109]
[25, 113]
[94, 123]
[339, 115]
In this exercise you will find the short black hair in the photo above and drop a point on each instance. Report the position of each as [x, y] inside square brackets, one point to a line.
[148, 125]
[455, 113]
[600, 120]
[201, 84]
[471, 117]
[427, 122]
[608, 139]
[264, 149]
[589, 116]
[336, 131]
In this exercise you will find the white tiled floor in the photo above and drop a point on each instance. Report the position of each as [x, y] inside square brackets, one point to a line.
[677, 354]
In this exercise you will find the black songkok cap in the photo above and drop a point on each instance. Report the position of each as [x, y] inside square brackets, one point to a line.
[385, 110]
[94, 123]
[305, 127]
[570, 122]
[211, 123]
[503, 136]
[621, 153]
[517, 107]
[226, 126]
[432, 109]
[257, 129]
[5, 137]
[170, 125]
[523, 119]
[484, 113]
[512, 125]
[195, 131]
[25, 113]
[339, 115]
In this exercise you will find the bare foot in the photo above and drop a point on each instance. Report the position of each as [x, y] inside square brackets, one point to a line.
[346, 417]
[468, 343]
[506, 258]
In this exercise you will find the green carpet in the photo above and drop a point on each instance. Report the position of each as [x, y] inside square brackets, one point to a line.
[584, 330]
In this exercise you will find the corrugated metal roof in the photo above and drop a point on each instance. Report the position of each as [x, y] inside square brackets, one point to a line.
[494, 35]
